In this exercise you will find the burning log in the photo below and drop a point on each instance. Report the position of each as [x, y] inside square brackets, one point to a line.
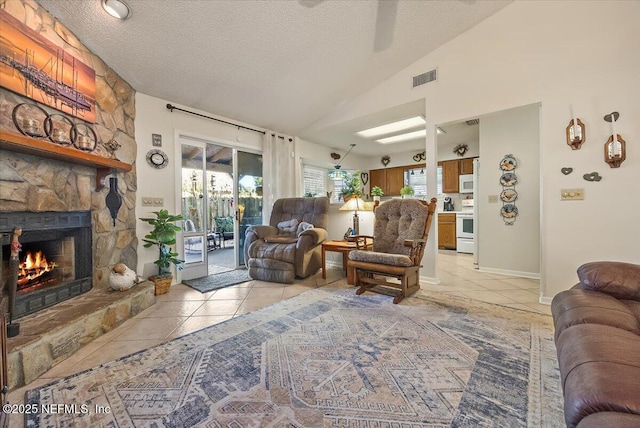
[34, 266]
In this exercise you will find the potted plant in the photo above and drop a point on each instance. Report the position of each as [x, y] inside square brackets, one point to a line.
[352, 186]
[376, 192]
[406, 191]
[163, 235]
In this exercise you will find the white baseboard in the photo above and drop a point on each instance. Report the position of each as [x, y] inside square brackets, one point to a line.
[545, 300]
[530, 275]
[429, 280]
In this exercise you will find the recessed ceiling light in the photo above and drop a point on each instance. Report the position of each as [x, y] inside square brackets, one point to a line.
[403, 137]
[400, 125]
[116, 8]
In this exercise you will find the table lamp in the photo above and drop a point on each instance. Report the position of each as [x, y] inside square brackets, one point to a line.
[356, 204]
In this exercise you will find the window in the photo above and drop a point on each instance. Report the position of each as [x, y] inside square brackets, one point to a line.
[439, 179]
[417, 178]
[316, 183]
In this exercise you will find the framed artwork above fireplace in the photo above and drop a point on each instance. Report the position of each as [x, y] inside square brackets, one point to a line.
[34, 67]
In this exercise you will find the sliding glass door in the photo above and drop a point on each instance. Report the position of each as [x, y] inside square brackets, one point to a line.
[194, 212]
[249, 197]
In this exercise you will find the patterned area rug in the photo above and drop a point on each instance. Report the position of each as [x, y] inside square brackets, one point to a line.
[330, 358]
[218, 280]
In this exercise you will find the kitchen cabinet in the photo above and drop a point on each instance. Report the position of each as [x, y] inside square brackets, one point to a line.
[395, 180]
[378, 177]
[447, 231]
[466, 166]
[450, 173]
[390, 180]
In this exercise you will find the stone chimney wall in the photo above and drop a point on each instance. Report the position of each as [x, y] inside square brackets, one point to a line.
[31, 183]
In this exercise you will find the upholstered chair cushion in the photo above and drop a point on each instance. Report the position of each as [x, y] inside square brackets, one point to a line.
[383, 258]
[396, 221]
[620, 280]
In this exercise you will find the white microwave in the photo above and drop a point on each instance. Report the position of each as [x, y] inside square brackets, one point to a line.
[466, 183]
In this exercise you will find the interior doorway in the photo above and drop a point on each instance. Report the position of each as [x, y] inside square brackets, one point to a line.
[221, 194]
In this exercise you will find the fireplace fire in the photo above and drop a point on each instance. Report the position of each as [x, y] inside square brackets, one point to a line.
[32, 268]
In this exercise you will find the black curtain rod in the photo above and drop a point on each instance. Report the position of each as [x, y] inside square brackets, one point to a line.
[172, 108]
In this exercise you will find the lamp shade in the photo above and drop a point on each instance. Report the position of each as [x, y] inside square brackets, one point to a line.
[356, 204]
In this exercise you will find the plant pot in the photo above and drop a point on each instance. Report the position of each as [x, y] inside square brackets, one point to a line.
[376, 198]
[162, 283]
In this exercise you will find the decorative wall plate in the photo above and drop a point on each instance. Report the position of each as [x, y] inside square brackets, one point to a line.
[508, 195]
[509, 211]
[508, 179]
[508, 163]
[157, 158]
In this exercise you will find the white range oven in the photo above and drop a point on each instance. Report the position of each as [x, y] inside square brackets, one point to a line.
[464, 232]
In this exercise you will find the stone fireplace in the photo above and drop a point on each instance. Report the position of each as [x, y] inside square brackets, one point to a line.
[57, 198]
[55, 262]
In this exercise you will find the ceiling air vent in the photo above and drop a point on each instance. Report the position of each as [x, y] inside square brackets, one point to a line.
[423, 78]
[473, 122]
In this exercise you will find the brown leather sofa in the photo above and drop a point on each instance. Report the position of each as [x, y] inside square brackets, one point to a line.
[597, 334]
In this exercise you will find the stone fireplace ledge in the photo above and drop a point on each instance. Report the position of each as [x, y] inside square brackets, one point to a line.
[50, 336]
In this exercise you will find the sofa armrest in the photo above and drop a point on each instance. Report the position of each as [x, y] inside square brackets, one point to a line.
[311, 237]
[617, 279]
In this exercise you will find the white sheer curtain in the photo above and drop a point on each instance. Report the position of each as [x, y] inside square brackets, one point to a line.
[278, 170]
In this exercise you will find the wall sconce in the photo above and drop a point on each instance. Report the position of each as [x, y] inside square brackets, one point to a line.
[576, 133]
[615, 149]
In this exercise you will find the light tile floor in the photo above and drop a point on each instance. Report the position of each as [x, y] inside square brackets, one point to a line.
[184, 310]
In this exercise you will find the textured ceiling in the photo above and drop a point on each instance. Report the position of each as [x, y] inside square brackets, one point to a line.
[281, 65]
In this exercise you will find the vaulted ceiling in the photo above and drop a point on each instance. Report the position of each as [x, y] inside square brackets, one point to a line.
[281, 65]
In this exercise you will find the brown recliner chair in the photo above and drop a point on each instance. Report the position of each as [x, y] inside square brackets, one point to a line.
[291, 245]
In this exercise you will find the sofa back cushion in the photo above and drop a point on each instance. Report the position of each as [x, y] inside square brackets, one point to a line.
[618, 279]
[309, 210]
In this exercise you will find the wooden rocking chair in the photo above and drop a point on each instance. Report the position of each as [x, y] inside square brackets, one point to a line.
[399, 237]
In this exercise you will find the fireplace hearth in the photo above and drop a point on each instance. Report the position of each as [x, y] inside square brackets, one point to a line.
[64, 240]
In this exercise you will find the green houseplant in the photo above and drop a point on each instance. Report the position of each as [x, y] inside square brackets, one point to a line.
[352, 186]
[376, 192]
[406, 191]
[162, 236]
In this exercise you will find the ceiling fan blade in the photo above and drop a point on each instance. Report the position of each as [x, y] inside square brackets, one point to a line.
[385, 24]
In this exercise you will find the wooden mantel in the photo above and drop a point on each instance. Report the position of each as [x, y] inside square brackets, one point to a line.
[46, 149]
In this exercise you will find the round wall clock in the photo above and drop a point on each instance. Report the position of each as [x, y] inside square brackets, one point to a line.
[157, 158]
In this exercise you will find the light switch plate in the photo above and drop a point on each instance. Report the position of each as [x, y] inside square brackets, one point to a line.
[493, 199]
[147, 201]
[571, 194]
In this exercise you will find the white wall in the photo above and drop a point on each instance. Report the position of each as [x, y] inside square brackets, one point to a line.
[557, 54]
[152, 117]
[515, 248]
